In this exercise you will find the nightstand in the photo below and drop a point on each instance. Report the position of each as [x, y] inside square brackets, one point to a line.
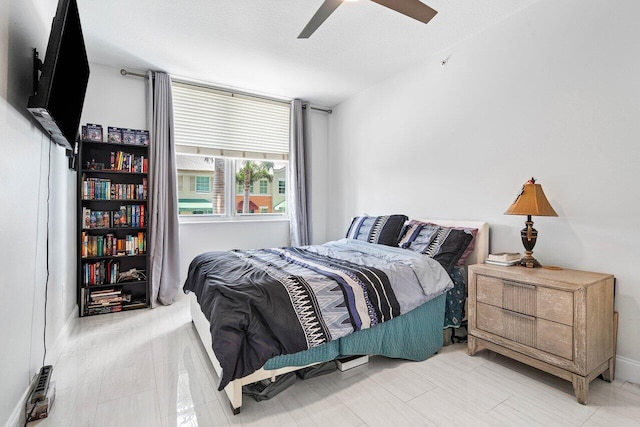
[559, 321]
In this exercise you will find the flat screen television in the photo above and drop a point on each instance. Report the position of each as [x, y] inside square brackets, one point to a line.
[59, 95]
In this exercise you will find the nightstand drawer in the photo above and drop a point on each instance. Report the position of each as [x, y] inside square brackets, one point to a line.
[555, 305]
[554, 338]
[513, 296]
[524, 298]
[551, 337]
[512, 326]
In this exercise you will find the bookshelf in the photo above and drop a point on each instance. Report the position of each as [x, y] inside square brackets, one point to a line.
[113, 220]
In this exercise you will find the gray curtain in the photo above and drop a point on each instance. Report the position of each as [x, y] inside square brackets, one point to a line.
[297, 198]
[163, 237]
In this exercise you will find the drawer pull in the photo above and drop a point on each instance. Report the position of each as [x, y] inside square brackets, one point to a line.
[520, 328]
[523, 316]
[520, 285]
[519, 298]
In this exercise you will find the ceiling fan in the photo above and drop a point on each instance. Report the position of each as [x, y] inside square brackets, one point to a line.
[412, 8]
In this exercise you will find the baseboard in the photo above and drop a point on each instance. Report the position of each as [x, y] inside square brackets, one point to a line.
[17, 416]
[628, 369]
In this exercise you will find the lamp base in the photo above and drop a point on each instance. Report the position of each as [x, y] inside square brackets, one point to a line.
[529, 261]
[529, 235]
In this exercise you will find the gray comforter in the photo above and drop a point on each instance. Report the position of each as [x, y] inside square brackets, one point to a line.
[263, 303]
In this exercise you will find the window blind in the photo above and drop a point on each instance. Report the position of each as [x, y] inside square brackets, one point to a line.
[213, 122]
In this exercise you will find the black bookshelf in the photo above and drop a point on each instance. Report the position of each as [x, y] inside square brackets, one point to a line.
[113, 223]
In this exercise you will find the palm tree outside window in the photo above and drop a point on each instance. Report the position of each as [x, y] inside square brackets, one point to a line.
[249, 172]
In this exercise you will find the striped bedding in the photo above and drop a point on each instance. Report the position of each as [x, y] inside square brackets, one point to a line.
[269, 302]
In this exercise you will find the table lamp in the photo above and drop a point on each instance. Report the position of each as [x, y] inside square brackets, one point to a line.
[530, 201]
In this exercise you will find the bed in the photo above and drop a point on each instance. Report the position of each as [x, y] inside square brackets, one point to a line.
[413, 328]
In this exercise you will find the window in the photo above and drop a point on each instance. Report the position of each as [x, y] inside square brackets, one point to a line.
[205, 194]
[202, 184]
[232, 152]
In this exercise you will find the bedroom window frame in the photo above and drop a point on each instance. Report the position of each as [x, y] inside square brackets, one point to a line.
[232, 189]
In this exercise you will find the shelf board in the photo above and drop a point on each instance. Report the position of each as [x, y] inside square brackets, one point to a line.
[112, 171]
[97, 258]
[111, 285]
[124, 308]
[115, 144]
[114, 200]
[115, 229]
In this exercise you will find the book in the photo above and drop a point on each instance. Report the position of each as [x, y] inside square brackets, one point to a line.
[503, 263]
[504, 256]
[351, 362]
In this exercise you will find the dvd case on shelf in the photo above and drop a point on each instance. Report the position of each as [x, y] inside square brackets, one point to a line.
[114, 135]
[92, 132]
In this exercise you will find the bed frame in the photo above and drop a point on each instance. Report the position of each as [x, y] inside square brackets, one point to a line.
[234, 388]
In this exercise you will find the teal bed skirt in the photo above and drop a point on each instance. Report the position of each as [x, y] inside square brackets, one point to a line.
[414, 336]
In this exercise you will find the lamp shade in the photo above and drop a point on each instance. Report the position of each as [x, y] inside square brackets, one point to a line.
[531, 201]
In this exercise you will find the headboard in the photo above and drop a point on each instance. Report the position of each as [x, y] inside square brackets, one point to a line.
[481, 249]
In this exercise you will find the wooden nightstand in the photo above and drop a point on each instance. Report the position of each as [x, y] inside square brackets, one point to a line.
[559, 321]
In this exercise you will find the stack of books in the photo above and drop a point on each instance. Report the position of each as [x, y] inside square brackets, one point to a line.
[504, 258]
[106, 301]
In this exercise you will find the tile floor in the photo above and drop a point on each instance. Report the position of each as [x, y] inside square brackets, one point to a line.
[147, 368]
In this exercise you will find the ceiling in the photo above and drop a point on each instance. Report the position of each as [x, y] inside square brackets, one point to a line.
[252, 45]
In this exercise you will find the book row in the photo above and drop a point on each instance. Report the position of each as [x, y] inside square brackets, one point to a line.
[103, 272]
[121, 162]
[106, 297]
[110, 245]
[94, 132]
[104, 189]
[104, 301]
[125, 216]
[109, 301]
[127, 162]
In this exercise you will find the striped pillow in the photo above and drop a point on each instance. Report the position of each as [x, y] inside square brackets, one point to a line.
[383, 230]
[448, 246]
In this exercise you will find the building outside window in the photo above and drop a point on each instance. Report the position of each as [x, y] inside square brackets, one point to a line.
[199, 172]
[232, 152]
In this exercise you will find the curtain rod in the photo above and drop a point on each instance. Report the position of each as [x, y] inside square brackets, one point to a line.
[144, 76]
[319, 109]
[129, 73]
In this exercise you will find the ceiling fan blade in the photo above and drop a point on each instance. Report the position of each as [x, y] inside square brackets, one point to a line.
[320, 16]
[412, 8]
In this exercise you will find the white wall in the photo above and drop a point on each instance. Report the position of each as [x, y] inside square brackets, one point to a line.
[27, 161]
[552, 93]
[114, 100]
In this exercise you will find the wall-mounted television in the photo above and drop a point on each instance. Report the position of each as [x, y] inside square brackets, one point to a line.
[60, 90]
